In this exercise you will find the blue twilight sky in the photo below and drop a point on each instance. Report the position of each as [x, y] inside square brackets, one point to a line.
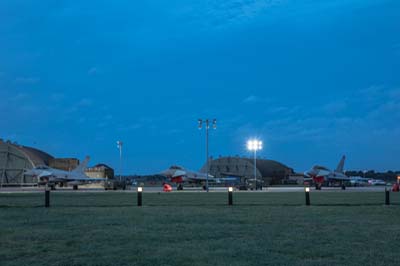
[313, 79]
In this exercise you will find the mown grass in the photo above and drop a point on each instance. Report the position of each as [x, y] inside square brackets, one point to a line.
[199, 229]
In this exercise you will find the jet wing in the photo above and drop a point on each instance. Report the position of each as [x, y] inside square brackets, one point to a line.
[179, 173]
[45, 174]
[338, 177]
[321, 168]
[86, 179]
[200, 177]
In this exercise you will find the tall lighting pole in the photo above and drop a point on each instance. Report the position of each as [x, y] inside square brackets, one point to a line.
[119, 146]
[254, 145]
[207, 126]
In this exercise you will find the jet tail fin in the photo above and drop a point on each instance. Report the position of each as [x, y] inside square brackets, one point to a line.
[340, 166]
[82, 166]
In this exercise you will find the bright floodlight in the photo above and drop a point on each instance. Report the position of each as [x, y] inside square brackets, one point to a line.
[230, 189]
[139, 189]
[119, 144]
[254, 145]
[307, 189]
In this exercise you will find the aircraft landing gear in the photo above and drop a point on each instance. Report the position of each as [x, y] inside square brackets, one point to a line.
[318, 186]
[75, 187]
[179, 187]
[343, 187]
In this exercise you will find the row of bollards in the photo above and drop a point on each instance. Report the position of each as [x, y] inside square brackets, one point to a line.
[139, 196]
[230, 196]
[140, 191]
[307, 191]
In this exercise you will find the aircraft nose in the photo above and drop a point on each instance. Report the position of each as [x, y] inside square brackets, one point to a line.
[164, 173]
[308, 173]
[29, 172]
[179, 173]
[44, 174]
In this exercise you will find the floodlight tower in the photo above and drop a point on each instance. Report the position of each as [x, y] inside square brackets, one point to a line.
[119, 146]
[254, 145]
[207, 127]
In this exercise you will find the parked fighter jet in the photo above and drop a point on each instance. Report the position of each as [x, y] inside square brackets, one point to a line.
[179, 175]
[321, 174]
[50, 176]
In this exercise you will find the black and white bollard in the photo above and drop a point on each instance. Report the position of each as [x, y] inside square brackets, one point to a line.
[139, 196]
[307, 191]
[47, 197]
[230, 196]
[387, 196]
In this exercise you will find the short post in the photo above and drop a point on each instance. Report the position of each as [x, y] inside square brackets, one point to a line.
[139, 196]
[230, 196]
[307, 190]
[387, 196]
[47, 197]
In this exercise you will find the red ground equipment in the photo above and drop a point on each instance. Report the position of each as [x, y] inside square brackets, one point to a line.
[167, 188]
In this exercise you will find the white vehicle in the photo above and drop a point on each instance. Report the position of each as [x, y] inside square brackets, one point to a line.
[321, 174]
[359, 181]
[51, 176]
[377, 182]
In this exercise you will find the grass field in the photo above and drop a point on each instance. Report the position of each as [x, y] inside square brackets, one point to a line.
[342, 228]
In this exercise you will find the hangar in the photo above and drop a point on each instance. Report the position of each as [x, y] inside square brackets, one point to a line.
[272, 172]
[14, 159]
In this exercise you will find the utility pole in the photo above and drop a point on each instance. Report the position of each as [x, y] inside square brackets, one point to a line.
[254, 145]
[207, 127]
[119, 145]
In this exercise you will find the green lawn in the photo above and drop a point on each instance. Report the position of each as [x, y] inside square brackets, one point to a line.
[342, 228]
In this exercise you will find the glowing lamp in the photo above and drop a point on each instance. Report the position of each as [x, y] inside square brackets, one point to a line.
[254, 145]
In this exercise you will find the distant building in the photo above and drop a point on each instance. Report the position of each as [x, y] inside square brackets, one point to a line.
[272, 172]
[66, 164]
[296, 179]
[100, 171]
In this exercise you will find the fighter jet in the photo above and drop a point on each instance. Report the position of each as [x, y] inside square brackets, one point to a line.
[321, 174]
[179, 175]
[51, 176]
